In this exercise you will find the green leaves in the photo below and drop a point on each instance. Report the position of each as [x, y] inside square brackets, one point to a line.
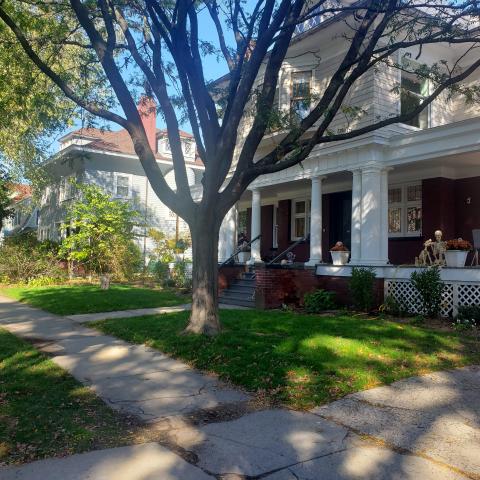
[98, 230]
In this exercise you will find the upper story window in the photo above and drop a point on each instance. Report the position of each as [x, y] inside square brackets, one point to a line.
[414, 90]
[122, 186]
[47, 196]
[187, 148]
[67, 189]
[405, 210]
[300, 99]
[300, 218]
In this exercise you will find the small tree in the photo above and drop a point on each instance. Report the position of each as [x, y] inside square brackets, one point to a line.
[98, 229]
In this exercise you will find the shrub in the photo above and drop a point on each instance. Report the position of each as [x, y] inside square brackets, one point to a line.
[44, 281]
[362, 287]
[392, 306]
[126, 260]
[23, 259]
[318, 301]
[161, 272]
[468, 317]
[430, 287]
[181, 276]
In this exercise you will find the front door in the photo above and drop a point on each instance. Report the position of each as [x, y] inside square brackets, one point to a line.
[340, 218]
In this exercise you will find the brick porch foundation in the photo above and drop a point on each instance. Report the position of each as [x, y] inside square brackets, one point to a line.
[287, 284]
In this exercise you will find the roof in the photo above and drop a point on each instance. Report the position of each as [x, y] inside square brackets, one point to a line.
[20, 191]
[117, 141]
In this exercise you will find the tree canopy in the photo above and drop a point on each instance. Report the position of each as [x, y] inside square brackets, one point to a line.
[125, 48]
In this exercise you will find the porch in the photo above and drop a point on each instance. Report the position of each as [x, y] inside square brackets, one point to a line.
[381, 205]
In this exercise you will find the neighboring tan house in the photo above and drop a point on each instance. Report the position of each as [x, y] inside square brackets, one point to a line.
[107, 159]
[382, 194]
[25, 217]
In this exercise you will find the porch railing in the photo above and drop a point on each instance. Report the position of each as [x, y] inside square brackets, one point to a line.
[289, 249]
[241, 249]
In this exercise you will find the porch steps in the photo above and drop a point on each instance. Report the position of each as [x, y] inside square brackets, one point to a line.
[241, 292]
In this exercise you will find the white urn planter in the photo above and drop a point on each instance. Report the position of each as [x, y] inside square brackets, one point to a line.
[339, 257]
[456, 258]
[243, 257]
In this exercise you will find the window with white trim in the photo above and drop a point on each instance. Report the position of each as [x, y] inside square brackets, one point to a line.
[122, 186]
[187, 147]
[405, 210]
[67, 189]
[414, 90]
[300, 99]
[300, 218]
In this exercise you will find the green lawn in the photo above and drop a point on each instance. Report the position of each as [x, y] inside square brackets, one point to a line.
[302, 360]
[45, 412]
[72, 299]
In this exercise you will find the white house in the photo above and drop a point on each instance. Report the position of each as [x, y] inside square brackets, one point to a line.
[107, 159]
[382, 194]
[25, 217]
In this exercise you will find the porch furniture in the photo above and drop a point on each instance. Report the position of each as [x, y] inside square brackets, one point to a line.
[476, 246]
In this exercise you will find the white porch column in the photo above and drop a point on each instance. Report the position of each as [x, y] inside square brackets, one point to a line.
[256, 226]
[384, 223]
[374, 230]
[316, 224]
[356, 217]
[228, 234]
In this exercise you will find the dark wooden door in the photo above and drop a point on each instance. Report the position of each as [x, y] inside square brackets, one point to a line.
[340, 218]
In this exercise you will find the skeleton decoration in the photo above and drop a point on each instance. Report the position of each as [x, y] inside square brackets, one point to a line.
[433, 252]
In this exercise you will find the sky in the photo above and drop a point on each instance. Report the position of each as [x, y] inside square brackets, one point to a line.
[213, 68]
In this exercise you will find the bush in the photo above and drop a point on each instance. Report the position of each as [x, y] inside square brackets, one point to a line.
[44, 281]
[392, 306]
[23, 259]
[362, 288]
[430, 287]
[468, 317]
[318, 301]
[127, 260]
[161, 271]
[181, 275]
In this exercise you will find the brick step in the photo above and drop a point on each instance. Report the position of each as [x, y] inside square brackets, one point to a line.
[246, 289]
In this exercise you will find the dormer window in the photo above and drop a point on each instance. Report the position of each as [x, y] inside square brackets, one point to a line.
[301, 94]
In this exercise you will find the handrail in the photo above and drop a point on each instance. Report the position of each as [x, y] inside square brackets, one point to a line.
[227, 261]
[289, 249]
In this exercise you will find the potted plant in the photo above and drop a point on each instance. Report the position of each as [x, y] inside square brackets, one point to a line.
[457, 251]
[340, 254]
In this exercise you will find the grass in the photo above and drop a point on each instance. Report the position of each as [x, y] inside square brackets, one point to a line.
[302, 360]
[45, 412]
[73, 299]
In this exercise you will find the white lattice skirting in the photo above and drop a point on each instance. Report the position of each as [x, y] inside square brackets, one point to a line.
[455, 294]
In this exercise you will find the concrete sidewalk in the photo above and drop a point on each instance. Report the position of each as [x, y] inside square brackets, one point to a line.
[139, 312]
[427, 427]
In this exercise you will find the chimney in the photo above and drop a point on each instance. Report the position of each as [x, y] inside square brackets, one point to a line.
[148, 113]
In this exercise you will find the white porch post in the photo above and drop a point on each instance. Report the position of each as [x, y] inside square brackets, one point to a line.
[356, 227]
[316, 224]
[227, 237]
[256, 226]
[374, 229]
[384, 223]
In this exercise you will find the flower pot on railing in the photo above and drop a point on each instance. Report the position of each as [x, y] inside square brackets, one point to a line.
[456, 253]
[340, 254]
[456, 258]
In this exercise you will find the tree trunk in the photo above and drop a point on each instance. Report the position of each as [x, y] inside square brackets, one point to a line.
[204, 318]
